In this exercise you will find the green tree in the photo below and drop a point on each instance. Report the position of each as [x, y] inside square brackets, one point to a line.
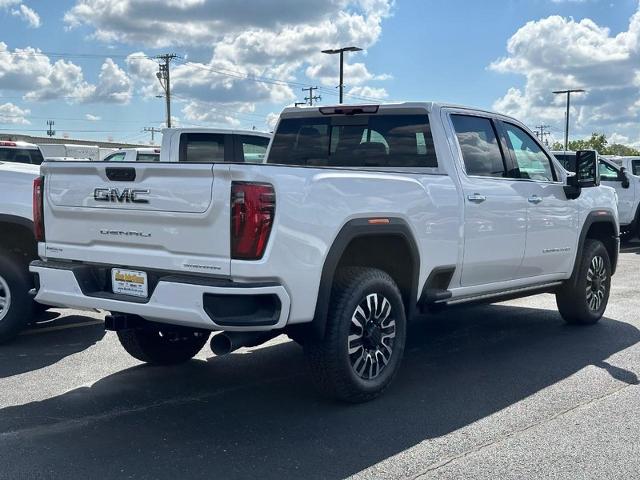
[599, 143]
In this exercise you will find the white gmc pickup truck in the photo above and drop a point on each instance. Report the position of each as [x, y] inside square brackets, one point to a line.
[359, 216]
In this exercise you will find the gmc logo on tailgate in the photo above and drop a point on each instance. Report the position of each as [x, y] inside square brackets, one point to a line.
[127, 195]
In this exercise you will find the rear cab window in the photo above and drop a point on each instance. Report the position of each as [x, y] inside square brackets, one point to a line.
[384, 140]
[201, 147]
[148, 157]
[21, 155]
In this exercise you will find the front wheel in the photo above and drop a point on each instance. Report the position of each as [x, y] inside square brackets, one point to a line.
[159, 346]
[584, 297]
[365, 336]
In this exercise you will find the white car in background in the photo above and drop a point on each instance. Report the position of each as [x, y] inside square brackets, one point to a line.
[20, 152]
[135, 155]
[626, 185]
[631, 164]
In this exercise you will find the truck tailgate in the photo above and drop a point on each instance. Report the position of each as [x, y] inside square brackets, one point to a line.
[156, 216]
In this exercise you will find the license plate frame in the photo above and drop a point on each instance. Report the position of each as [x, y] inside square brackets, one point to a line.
[133, 283]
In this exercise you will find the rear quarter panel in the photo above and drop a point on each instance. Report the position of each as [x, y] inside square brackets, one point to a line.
[313, 204]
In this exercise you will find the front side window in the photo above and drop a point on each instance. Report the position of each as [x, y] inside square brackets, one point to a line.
[607, 172]
[635, 167]
[116, 157]
[202, 147]
[532, 161]
[378, 140]
[254, 149]
[479, 145]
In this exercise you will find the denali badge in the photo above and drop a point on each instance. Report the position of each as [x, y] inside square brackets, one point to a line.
[123, 233]
[127, 195]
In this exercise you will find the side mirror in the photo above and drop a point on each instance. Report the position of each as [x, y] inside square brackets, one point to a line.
[624, 178]
[587, 173]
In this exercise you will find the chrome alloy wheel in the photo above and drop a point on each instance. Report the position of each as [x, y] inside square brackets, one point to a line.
[371, 336]
[596, 283]
[5, 298]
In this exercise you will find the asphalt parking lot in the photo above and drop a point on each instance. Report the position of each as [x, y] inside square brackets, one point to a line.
[498, 391]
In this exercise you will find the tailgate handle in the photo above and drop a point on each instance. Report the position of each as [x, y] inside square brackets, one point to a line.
[121, 174]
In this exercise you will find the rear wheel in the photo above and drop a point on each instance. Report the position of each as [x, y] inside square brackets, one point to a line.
[159, 346]
[584, 297]
[15, 302]
[365, 336]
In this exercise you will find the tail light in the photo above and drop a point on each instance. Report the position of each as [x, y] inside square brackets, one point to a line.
[253, 207]
[38, 213]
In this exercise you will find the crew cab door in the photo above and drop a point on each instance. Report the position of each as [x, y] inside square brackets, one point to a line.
[495, 213]
[552, 219]
[610, 176]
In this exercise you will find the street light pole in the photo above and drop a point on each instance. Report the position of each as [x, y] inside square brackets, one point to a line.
[341, 52]
[566, 128]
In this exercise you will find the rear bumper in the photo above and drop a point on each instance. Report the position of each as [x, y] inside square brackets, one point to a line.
[198, 302]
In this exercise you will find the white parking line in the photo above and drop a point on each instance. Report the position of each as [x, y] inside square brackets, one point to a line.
[35, 331]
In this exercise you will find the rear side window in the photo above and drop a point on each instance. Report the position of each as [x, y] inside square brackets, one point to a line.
[21, 155]
[478, 141]
[254, 148]
[148, 157]
[358, 141]
[201, 147]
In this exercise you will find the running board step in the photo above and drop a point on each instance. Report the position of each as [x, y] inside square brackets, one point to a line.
[504, 295]
[436, 295]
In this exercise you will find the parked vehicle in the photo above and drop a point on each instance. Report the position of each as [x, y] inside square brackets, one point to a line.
[359, 217]
[626, 185]
[631, 164]
[20, 152]
[142, 154]
[70, 151]
[202, 145]
[18, 246]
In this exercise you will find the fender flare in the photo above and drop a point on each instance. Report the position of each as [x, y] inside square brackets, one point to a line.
[598, 216]
[357, 228]
[16, 220]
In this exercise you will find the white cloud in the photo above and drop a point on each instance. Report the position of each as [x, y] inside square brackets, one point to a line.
[28, 15]
[10, 113]
[114, 86]
[272, 120]
[556, 53]
[30, 71]
[5, 4]
[92, 118]
[369, 93]
[271, 41]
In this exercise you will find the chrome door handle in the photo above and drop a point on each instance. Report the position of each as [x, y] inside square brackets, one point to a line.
[535, 199]
[476, 198]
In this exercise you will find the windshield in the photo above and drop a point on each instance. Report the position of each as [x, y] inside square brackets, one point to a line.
[355, 141]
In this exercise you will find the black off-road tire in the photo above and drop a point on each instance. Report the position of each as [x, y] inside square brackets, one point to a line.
[16, 279]
[592, 277]
[332, 367]
[157, 347]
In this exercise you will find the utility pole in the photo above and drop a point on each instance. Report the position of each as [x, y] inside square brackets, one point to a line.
[50, 131]
[165, 80]
[341, 52]
[542, 133]
[566, 128]
[311, 98]
[153, 131]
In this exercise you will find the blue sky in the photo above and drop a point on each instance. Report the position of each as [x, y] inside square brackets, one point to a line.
[88, 67]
